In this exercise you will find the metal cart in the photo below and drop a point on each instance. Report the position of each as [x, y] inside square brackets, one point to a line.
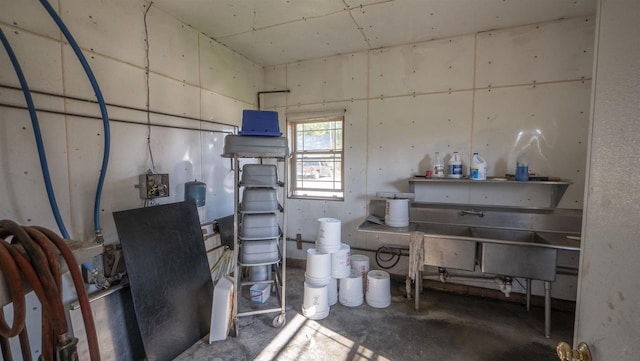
[278, 283]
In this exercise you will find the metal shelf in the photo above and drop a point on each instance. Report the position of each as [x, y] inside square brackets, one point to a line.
[279, 281]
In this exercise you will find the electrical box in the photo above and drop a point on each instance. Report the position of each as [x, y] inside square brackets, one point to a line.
[154, 186]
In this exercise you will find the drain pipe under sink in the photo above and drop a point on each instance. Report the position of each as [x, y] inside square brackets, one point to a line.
[504, 283]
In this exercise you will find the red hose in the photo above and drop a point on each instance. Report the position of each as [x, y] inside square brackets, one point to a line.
[33, 255]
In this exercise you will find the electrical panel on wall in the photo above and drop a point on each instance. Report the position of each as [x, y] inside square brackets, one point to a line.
[153, 185]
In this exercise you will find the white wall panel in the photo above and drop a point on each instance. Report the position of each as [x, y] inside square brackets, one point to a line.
[173, 48]
[405, 133]
[23, 195]
[226, 72]
[432, 66]
[29, 15]
[174, 97]
[39, 59]
[222, 109]
[114, 28]
[554, 51]
[275, 78]
[341, 77]
[120, 83]
[548, 123]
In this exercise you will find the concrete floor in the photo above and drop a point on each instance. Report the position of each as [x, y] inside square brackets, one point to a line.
[448, 327]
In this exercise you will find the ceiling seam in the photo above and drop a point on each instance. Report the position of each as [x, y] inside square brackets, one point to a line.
[358, 27]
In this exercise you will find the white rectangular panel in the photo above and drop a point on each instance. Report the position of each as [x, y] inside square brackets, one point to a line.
[554, 51]
[433, 66]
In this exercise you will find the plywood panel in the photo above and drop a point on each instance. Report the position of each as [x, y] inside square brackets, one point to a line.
[342, 77]
[222, 109]
[226, 72]
[554, 51]
[113, 28]
[405, 133]
[432, 66]
[275, 78]
[548, 123]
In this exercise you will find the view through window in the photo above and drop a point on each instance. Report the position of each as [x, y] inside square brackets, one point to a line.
[317, 158]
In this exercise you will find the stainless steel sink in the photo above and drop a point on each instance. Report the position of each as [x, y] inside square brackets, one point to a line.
[444, 246]
[511, 235]
[516, 253]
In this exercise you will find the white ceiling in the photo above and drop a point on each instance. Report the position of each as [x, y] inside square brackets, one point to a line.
[271, 32]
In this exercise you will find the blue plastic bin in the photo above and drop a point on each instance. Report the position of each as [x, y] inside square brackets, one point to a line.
[260, 122]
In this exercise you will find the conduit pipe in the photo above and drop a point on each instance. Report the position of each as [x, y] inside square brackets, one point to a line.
[38, 135]
[103, 111]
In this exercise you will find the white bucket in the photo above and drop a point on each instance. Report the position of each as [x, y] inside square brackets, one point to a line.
[318, 267]
[341, 262]
[397, 213]
[378, 293]
[360, 263]
[259, 273]
[350, 293]
[329, 235]
[315, 305]
[333, 291]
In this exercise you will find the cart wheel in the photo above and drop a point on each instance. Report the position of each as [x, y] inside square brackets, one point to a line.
[279, 320]
[235, 328]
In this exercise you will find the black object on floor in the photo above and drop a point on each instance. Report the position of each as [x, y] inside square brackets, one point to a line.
[225, 228]
[169, 276]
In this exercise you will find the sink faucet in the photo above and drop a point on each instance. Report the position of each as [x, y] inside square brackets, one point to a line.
[473, 212]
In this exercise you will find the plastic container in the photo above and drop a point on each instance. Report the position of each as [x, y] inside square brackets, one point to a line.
[260, 293]
[438, 167]
[221, 315]
[455, 166]
[256, 226]
[315, 304]
[259, 175]
[341, 262]
[318, 271]
[259, 273]
[397, 213]
[260, 122]
[272, 146]
[329, 235]
[522, 169]
[478, 168]
[378, 292]
[259, 200]
[256, 252]
[351, 292]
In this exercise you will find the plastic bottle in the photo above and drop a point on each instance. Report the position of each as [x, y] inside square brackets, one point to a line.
[522, 169]
[455, 166]
[478, 167]
[438, 167]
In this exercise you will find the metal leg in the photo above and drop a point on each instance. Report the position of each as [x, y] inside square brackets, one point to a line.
[528, 294]
[418, 283]
[547, 309]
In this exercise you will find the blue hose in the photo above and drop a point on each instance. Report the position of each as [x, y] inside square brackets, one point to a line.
[36, 132]
[103, 110]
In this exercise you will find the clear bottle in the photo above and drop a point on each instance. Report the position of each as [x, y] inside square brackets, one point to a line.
[438, 167]
[455, 166]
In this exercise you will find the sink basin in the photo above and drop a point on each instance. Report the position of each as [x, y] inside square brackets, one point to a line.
[508, 235]
[514, 257]
[444, 229]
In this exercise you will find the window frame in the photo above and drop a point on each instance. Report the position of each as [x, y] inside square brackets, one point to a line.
[331, 194]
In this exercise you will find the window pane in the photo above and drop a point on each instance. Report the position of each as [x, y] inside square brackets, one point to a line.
[317, 158]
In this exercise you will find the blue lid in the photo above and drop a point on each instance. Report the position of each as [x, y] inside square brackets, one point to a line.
[260, 122]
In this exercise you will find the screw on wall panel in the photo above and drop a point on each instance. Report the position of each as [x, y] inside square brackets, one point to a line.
[298, 241]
